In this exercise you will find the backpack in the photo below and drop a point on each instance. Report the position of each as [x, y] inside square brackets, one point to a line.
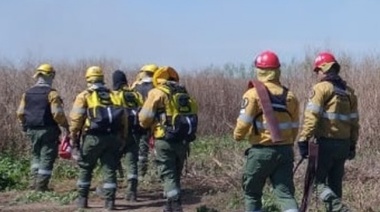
[104, 111]
[132, 101]
[278, 104]
[181, 113]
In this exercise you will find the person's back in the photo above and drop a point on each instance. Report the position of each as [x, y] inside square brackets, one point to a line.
[331, 116]
[170, 147]
[269, 116]
[132, 101]
[97, 118]
[143, 85]
[40, 114]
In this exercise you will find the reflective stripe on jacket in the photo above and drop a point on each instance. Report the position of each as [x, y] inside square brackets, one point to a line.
[288, 123]
[332, 113]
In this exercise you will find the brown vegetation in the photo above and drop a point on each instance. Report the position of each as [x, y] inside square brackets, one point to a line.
[218, 97]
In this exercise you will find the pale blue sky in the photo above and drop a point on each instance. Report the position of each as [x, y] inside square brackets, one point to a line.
[185, 34]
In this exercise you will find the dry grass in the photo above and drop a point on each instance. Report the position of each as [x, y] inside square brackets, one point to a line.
[219, 98]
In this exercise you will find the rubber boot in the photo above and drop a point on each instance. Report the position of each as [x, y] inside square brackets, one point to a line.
[82, 202]
[176, 205]
[168, 206]
[42, 183]
[109, 205]
[132, 190]
[33, 181]
[142, 167]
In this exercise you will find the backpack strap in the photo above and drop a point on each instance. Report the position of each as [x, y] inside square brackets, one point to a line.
[268, 112]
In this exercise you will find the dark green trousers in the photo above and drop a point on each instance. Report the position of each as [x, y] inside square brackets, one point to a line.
[103, 147]
[45, 143]
[131, 157]
[332, 157]
[275, 163]
[143, 153]
[170, 158]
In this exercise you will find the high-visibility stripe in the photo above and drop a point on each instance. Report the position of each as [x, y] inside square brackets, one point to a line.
[78, 110]
[147, 113]
[336, 116]
[314, 108]
[282, 126]
[190, 127]
[325, 193]
[291, 210]
[354, 115]
[109, 185]
[142, 158]
[131, 176]
[279, 106]
[245, 118]
[34, 166]
[172, 193]
[55, 109]
[83, 183]
[44, 172]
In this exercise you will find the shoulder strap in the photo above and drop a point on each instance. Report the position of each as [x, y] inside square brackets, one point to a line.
[268, 112]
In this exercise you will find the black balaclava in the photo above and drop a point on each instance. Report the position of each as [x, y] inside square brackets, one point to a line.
[119, 80]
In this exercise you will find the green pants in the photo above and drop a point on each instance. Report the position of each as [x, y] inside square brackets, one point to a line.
[170, 158]
[143, 153]
[44, 152]
[104, 147]
[332, 156]
[131, 157]
[275, 163]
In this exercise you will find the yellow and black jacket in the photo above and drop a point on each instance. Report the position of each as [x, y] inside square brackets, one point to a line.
[162, 113]
[251, 122]
[331, 112]
[79, 114]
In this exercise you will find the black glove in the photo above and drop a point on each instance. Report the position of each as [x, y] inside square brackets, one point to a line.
[352, 153]
[304, 148]
[23, 128]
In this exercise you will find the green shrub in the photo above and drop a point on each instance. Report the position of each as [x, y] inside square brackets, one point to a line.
[13, 172]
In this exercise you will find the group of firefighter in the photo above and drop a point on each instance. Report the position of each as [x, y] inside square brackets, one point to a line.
[101, 129]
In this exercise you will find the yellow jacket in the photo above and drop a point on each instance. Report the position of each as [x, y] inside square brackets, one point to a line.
[56, 107]
[258, 132]
[330, 115]
[78, 116]
[154, 104]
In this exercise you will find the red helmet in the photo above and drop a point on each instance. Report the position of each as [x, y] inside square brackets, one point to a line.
[324, 61]
[267, 60]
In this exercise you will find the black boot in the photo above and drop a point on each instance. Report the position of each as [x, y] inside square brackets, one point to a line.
[42, 183]
[82, 202]
[33, 182]
[109, 205]
[177, 205]
[132, 190]
[168, 206]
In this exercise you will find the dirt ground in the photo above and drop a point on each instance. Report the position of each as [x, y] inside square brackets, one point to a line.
[148, 201]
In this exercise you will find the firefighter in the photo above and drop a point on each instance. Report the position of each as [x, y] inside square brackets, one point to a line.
[171, 148]
[143, 85]
[97, 121]
[331, 115]
[271, 154]
[41, 113]
[132, 101]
